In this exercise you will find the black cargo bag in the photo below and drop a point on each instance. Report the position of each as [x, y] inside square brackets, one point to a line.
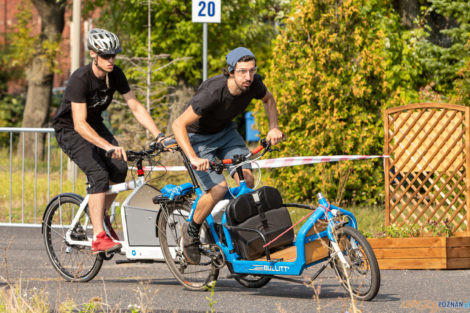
[260, 210]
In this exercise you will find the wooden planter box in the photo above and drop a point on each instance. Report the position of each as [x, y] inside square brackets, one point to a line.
[422, 252]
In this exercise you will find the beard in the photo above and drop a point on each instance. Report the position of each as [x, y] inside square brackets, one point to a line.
[244, 88]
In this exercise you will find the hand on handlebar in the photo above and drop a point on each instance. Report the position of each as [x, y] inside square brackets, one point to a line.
[274, 136]
[200, 164]
[116, 152]
[166, 144]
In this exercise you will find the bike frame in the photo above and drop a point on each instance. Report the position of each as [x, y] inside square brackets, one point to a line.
[324, 211]
[132, 251]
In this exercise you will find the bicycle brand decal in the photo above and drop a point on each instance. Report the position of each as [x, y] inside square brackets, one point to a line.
[270, 268]
[283, 162]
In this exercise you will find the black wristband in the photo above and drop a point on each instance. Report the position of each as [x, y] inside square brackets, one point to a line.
[161, 135]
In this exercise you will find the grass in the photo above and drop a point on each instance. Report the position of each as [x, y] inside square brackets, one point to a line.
[370, 218]
[28, 204]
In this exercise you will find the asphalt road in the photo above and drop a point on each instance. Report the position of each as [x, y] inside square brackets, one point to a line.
[24, 261]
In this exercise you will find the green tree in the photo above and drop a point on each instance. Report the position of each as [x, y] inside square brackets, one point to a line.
[37, 53]
[335, 67]
[243, 23]
[443, 43]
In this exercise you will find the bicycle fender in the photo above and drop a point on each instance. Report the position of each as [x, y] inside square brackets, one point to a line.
[67, 194]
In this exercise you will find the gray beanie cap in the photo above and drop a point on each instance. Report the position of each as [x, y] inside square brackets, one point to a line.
[235, 55]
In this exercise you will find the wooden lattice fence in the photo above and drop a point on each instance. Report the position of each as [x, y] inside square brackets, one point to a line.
[426, 176]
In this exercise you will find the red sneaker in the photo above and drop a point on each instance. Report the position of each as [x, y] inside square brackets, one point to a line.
[104, 244]
[109, 225]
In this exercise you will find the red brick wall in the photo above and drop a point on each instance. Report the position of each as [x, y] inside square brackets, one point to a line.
[8, 11]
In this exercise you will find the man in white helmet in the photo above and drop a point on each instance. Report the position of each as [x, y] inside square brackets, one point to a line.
[80, 131]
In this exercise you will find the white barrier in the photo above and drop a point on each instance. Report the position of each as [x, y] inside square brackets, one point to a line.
[281, 162]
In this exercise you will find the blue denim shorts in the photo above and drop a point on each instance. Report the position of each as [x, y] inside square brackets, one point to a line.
[222, 145]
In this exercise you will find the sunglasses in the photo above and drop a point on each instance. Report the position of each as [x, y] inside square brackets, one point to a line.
[107, 56]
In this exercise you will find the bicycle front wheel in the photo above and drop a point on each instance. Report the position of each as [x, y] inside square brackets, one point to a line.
[362, 276]
[73, 262]
[193, 277]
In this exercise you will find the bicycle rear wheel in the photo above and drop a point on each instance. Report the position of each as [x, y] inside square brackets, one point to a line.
[362, 278]
[73, 262]
[193, 277]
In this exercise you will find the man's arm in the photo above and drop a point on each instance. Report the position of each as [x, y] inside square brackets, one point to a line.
[274, 135]
[81, 126]
[181, 135]
[141, 114]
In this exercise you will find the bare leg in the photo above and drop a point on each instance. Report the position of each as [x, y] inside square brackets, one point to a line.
[249, 179]
[207, 202]
[96, 205]
[99, 203]
[109, 199]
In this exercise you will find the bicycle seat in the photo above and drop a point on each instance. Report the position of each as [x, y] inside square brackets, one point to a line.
[172, 191]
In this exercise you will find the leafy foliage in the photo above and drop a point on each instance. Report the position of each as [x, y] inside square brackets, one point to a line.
[11, 113]
[25, 46]
[444, 59]
[335, 67]
[175, 36]
[243, 23]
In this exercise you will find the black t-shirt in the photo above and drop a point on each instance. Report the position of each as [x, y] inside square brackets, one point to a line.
[217, 107]
[84, 87]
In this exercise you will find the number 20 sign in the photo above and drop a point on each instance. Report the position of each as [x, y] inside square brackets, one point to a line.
[206, 11]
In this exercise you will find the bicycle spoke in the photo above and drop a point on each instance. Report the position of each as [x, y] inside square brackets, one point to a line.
[72, 261]
[193, 277]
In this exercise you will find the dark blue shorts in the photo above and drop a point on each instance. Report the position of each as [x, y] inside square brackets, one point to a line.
[222, 145]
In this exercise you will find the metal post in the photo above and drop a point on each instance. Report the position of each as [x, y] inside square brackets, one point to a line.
[22, 181]
[204, 51]
[35, 176]
[61, 169]
[149, 54]
[48, 165]
[11, 169]
[75, 35]
[75, 47]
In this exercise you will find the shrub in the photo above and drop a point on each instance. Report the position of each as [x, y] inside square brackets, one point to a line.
[335, 67]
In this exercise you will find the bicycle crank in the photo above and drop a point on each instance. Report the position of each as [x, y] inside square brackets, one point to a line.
[216, 255]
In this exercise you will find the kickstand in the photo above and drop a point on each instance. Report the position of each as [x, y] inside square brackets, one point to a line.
[320, 270]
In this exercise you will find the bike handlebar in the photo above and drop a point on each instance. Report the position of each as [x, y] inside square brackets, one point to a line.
[218, 166]
[154, 147]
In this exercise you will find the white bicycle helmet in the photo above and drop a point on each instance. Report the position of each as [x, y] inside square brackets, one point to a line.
[103, 42]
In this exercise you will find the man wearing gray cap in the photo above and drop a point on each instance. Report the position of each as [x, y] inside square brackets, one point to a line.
[205, 130]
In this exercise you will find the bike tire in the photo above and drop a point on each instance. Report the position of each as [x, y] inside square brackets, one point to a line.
[73, 262]
[253, 281]
[362, 261]
[192, 277]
